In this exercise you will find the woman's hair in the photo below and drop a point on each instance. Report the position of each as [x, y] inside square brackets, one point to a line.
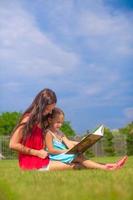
[35, 111]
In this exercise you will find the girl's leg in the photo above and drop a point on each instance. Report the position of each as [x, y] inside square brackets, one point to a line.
[56, 165]
[89, 164]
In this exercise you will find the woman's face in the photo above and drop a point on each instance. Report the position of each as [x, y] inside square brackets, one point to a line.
[49, 109]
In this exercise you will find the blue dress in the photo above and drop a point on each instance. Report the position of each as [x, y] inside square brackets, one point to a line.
[63, 157]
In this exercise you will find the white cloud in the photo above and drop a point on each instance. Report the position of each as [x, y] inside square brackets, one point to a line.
[26, 50]
[104, 31]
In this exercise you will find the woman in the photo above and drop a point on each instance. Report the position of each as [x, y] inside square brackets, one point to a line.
[28, 136]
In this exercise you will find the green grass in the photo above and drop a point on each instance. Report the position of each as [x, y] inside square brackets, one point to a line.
[66, 185]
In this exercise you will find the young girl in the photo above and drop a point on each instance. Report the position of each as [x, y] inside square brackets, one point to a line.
[57, 145]
[28, 136]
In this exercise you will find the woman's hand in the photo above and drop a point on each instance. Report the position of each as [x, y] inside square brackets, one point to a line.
[41, 153]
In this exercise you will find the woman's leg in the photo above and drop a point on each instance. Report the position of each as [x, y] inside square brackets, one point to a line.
[57, 165]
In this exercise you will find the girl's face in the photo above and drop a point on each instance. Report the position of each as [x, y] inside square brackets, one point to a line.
[57, 123]
[49, 109]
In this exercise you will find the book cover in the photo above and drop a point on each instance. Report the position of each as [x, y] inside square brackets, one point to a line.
[87, 141]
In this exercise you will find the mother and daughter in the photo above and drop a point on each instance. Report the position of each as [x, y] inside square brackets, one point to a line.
[40, 143]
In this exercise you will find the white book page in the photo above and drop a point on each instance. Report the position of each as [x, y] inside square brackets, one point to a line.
[99, 131]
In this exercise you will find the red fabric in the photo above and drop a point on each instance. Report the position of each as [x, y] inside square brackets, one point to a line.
[35, 141]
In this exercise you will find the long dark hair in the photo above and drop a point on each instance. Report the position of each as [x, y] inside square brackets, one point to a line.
[35, 111]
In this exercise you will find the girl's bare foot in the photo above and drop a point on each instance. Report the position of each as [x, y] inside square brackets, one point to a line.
[111, 166]
[119, 164]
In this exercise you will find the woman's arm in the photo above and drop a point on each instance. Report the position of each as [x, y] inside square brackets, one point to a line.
[49, 145]
[15, 142]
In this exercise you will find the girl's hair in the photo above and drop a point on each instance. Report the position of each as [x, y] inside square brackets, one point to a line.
[35, 111]
[55, 114]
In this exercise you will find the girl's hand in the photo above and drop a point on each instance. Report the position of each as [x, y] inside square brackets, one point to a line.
[42, 153]
[65, 151]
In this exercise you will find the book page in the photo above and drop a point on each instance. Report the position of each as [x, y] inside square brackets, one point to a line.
[87, 141]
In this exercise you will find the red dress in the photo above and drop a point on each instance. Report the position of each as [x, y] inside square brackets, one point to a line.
[35, 141]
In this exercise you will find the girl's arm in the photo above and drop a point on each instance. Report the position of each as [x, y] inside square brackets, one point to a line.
[74, 142]
[69, 143]
[49, 145]
[15, 142]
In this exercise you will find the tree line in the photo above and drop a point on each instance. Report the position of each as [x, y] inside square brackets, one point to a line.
[8, 121]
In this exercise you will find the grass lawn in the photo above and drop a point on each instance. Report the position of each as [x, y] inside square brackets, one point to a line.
[66, 185]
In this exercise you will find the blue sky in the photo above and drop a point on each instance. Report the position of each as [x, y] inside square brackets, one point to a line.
[83, 50]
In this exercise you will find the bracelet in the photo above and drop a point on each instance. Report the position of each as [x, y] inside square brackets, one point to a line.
[29, 151]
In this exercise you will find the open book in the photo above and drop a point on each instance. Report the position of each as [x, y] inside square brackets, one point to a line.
[87, 141]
